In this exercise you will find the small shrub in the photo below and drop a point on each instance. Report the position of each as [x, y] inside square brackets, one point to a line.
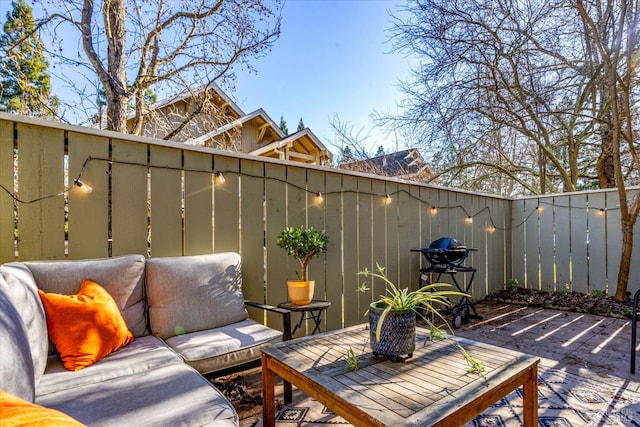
[512, 285]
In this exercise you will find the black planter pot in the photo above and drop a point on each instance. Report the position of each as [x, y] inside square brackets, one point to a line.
[398, 335]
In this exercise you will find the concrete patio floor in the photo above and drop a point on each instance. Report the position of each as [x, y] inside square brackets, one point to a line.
[590, 346]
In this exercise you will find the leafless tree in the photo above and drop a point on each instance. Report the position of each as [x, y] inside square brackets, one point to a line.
[618, 55]
[129, 46]
[519, 70]
[544, 93]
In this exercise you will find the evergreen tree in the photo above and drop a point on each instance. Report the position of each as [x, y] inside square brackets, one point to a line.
[300, 125]
[26, 87]
[283, 126]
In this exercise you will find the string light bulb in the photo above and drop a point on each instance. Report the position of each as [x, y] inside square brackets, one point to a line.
[220, 178]
[83, 186]
[539, 208]
[602, 212]
[319, 198]
[469, 219]
[434, 210]
[387, 199]
[491, 229]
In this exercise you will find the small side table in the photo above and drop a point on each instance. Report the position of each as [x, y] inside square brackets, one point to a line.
[312, 311]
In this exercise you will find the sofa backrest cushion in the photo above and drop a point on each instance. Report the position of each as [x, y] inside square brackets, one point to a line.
[23, 292]
[16, 363]
[122, 277]
[194, 293]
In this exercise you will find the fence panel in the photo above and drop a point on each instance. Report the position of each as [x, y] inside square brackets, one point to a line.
[252, 229]
[614, 239]
[166, 232]
[198, 203]
[152, 182]
[518, 242]
[379, 240]
[226, 205]
[579, 249]
[417, 209]
[40, 224]
[335, 278]
[316, 219]
[547, 249]
[597, 243]
[276, 220]
[7, 225]
[365, 246]
[587, 234]
[88, 229]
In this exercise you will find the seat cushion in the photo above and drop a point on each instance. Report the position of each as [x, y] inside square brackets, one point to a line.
[224, 347]
[194, 293]
[173, 395]
[144, 354]
[23, 292]
[85, 327]
[122, 277]
[16, 362]
[19, 412]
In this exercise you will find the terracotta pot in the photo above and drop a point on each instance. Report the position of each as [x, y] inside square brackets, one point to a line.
[301, 292]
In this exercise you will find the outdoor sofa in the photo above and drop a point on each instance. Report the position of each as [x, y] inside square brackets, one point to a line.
[187, 317]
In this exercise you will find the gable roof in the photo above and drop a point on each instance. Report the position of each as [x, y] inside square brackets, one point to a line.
[186, 94]
[265, 123]
[402, 164]
[301, 146]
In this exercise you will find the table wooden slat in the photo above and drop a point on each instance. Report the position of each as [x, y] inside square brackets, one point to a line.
[431, 388]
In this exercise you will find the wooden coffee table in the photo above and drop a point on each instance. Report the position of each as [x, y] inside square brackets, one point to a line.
[431, 388]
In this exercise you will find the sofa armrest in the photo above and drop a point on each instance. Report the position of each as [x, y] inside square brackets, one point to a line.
[286, 316]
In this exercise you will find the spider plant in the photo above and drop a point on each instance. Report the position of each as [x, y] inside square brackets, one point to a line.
[424, 301]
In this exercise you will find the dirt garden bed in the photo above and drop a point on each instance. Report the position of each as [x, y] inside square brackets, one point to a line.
[595, 303]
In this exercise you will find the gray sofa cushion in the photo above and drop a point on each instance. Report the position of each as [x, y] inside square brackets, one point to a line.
[143, 354]
[122, 277]
[173, 395]
[16, 363]
[23, 292]
[194, 293]
[224, 347]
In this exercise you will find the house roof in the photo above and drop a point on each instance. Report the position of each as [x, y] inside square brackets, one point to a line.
[302, 146]
[403, 164]
[263, 120]
[186, 94]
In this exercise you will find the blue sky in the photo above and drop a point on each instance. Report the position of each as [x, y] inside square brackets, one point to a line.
[332, 57]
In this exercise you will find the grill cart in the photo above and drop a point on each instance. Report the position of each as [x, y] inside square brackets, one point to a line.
[446, 256]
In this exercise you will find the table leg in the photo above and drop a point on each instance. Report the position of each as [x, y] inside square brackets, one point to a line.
[530, 398]
[317, 318]
[288, 392]
[268, 394]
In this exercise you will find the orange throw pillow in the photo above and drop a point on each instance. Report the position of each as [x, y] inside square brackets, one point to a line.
[17, 412]
[85, 327]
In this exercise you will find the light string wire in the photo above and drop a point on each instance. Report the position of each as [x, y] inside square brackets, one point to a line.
[77, 182]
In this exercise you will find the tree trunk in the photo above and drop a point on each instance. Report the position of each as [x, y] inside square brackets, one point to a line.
[117, 114]
[606, 167]
[625, 262]
[115, 18]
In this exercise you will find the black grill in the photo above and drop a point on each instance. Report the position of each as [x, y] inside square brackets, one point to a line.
[447, 255]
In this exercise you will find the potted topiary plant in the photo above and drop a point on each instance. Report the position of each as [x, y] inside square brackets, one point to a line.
[392, 319]
[303, 244]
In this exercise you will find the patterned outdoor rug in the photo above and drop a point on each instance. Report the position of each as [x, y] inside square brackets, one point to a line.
[564, 400]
